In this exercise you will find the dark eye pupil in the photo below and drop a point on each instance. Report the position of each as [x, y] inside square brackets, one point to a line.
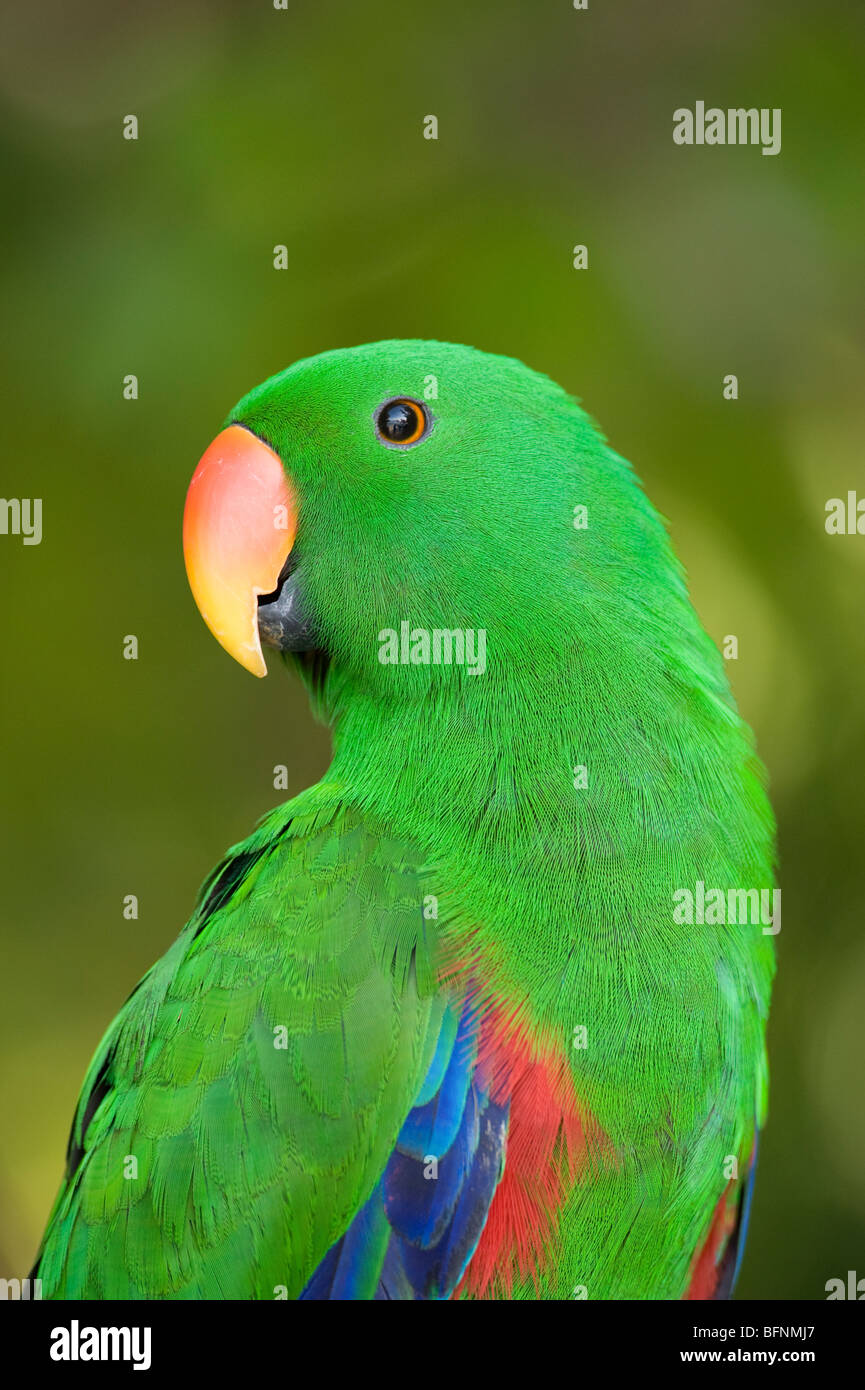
[398, 421]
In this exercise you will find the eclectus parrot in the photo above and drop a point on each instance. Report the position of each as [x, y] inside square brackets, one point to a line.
[436, 1029]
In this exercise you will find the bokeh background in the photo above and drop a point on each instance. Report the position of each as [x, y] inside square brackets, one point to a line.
[304, 127]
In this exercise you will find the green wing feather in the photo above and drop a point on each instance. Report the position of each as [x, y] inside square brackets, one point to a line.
[244, 1102]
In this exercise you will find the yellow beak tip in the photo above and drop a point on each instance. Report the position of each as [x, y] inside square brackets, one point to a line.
[239, 525]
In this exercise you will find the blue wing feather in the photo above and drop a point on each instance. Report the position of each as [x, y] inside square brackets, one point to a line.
[417, 1232]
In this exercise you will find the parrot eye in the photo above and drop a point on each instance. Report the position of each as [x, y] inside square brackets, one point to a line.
[402, 421]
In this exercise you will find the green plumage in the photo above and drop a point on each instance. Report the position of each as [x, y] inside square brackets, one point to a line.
[252, 1159]
[256, 1075]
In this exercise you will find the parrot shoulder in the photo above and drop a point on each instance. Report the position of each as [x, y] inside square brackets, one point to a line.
[243, 1104]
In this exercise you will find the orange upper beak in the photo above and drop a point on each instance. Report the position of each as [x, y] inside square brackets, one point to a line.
[239, 526]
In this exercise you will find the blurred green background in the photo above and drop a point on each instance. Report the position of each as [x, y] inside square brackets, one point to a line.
[154, 257]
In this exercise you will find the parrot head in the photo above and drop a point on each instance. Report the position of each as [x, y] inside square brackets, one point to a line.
[418, 483]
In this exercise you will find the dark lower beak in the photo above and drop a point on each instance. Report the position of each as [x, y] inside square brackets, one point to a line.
[283, 621]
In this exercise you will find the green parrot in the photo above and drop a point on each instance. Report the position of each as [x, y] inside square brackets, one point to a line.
[482, 1014]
